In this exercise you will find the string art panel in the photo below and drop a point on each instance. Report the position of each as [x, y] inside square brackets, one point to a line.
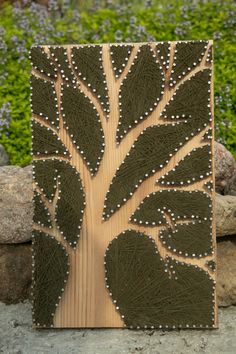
[123, 228]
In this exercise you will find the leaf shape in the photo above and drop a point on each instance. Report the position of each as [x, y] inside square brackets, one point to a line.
[187, 55]
[84, 126]
[61, 58]
[178, 204]
[209, 58]
[192, 168]
[51, 268]
[42, 62]
[211, 265]
[146, 295]
[163, 54]
[120, 54]
[71, 199]
[190, 240]
[141, 90]
[45, 176]
[70, 205]
[207, 136]
[191, 100]
[41, 213]
[149, 154]
[208, 186]
[46, 141]
[87, 61]
[44, 100]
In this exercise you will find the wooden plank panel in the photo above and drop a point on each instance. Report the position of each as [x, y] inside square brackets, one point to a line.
[86, 301]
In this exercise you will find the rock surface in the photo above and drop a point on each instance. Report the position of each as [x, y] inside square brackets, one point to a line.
[18, 336]
[15, 272]
[225, 215]
[4, 159]
[230, 189]
[16, 210]
[225, 167]
[226, 269]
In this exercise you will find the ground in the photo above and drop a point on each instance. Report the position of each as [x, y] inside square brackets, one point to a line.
[18, 337]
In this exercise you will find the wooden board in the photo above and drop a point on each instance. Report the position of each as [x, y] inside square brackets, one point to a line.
[86, 301]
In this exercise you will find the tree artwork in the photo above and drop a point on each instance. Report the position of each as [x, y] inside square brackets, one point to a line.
[123, 232]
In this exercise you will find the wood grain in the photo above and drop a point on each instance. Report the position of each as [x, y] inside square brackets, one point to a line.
[86, 301]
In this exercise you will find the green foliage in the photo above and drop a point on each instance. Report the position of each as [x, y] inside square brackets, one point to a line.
[172, 20]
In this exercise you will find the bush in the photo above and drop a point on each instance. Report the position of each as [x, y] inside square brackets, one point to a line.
[60, 24]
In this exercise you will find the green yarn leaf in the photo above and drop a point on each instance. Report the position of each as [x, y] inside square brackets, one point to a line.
[41, 213]
[60, 57]
[192, 168]
[163, 54]
[191, 101]
[84, 126]
[87, 62]
[71, 199]
[44, 100]
[147, 294]
[120, 54]
[141, 90]
[51, 270]
[187, 56]
[46, 142]
[190, 240]
[42, 62]
[178, 204]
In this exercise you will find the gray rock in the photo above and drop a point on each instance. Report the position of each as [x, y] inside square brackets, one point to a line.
[225, 215]
[230, 189]
[18, 336]
[15, 272]
[226, 272]
[16, 212]
[4, 159]
[225, 167]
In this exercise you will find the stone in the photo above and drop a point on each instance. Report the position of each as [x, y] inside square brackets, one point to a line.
[16, 211]
[17, 336]
[226, 272]
[4, 159]
[225, 215]
[15, 272]
[230, 189]
[225, 167]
